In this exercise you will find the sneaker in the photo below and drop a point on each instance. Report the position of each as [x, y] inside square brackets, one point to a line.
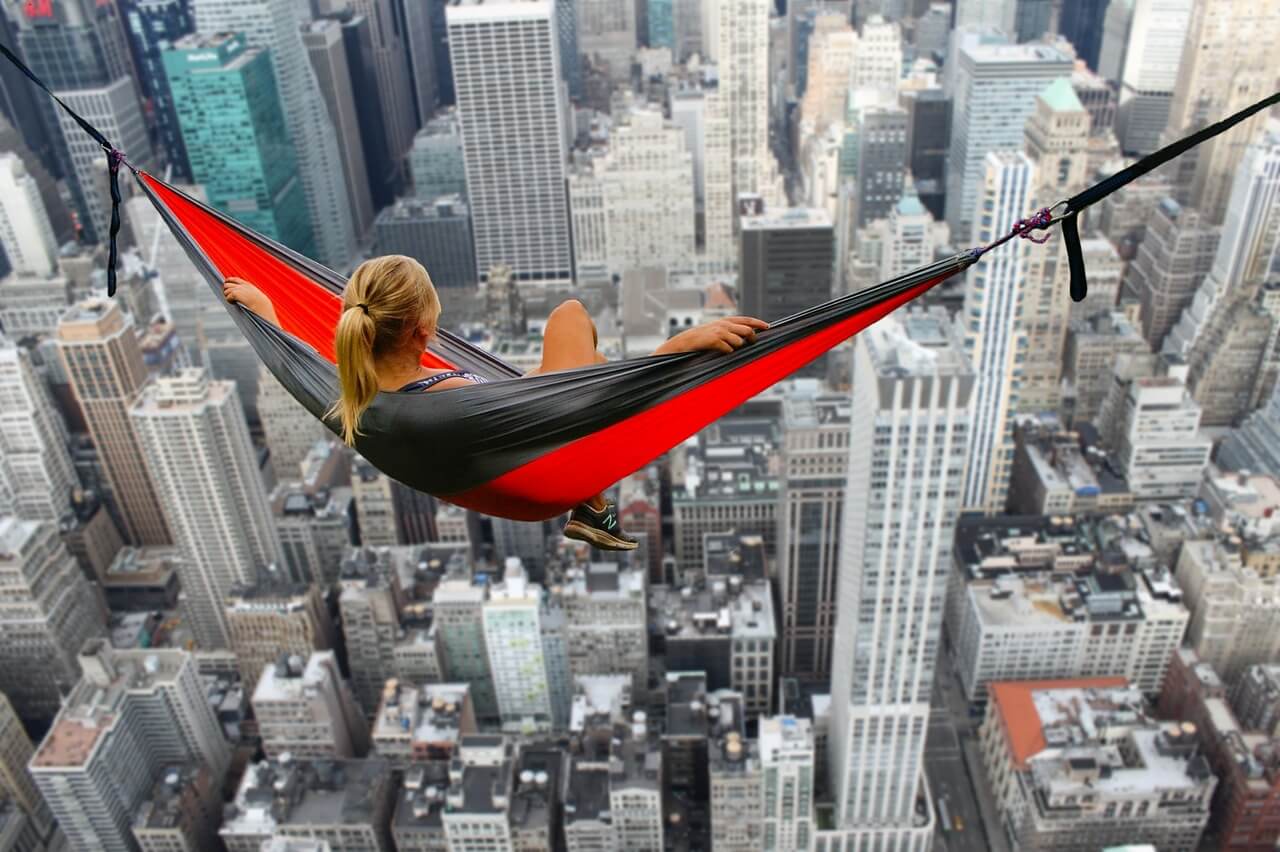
[598, 528]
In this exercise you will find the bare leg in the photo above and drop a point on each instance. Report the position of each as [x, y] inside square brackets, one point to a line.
[569, 340]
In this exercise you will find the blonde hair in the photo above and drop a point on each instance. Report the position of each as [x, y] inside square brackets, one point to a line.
[386, 298]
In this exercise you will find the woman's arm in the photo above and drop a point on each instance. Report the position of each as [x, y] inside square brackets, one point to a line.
[239, 290]
[722, 335]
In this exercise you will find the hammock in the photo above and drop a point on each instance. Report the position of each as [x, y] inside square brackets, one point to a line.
[530, 448]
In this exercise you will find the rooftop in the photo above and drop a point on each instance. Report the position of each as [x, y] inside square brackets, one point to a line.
[306, 793]
[725, 607]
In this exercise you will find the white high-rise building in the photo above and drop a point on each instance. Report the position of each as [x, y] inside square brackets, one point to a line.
[878, 64]
[34, 461]
[786, 757]
[513, 635]
[1157, 30]
[1161, 452]
[999, 15]
[994, 85]
[511, 105]
[273, 26]
[306, 709]
[913, 391]
[643, 194]
[47, 611]
[25, 231]
[131, 715]
[197, 450]
[833, 48]
[739, 31]
[993, 333]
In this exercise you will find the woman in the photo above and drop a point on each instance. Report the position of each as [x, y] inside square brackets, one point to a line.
[390, 311]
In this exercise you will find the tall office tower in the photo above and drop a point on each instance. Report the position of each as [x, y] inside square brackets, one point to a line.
[197, 449]
[33, 442]
[995, 89]
[908, 239]
[437, 233]
[878, 63]
[152, 25]
[459, 607]
[15, 779]
[686, 24]
[1227, 62]
[736, 36]
[1173, 258]
[327, 50]
[786, 262]
[506, 66]
[912, 413]
[275, 617]
[99, 349]
[1225, 359]
[513, 619]
[419, 40]
[435, 161]
[928, 144]
[880, 160]
[234, 128]
[289, 429]
[384, 171]
[368, 607]
[1057, 140]
[700, 111]
[999, 15]
[646, 186]
[47, 610]
[1081, 23]
[272, 26]
[660, 23]
[131, 715]
[1148, 73]
[305, 709]
[607, 35]
[375, 507]
[815, 459]
[78, 49]
[1159, 448]
[832, 48]
[570, 56]
[391, 65]
[787, 759]
[25, 231]
[994, 336]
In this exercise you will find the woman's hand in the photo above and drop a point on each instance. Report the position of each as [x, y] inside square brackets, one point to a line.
[722, 335]
[241, 291]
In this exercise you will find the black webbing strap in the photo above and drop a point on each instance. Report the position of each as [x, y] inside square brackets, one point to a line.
[1100, 190]
[114, 159]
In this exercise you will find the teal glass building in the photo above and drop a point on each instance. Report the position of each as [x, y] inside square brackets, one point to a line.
[233, 127]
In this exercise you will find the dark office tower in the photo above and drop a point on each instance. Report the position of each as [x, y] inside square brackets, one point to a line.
[78, 48]
[1034, 18]
[570, 56]
[786, 264]
[391, 67]
[1081, 22]
[327, 51]
[882, 161]
[928, 140]
[440, 50]
[380, 163]
[436, 233]
[151, 26]
[17, 102]
[420, 42]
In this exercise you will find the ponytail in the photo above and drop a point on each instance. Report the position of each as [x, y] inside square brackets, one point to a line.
[385, 298]
[357, 378]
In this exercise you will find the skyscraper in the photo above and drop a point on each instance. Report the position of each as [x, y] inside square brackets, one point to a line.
[420, 41]
[152, 25]
[234, 130]
[272, 25]
[994, 337]
[196, 445]
[99, 349]
[25, 231]
[506, 67]
[607, 34]
[987, 15]
[34, 461]
[1081, 23]
[1227, 62]
[327, 51]
[1149, 74]
[436, 159]
[15, 779]
[1173, 257]
[787, 760]
[994, 95]
[391, 64]
[736, 37]
[131, 715]
[78, 49]
[305, 709]
[47, 611]
[786, 262]
[908, 444]
[513, 622]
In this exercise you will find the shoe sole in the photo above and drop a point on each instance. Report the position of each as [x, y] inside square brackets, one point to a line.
[599, 538]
